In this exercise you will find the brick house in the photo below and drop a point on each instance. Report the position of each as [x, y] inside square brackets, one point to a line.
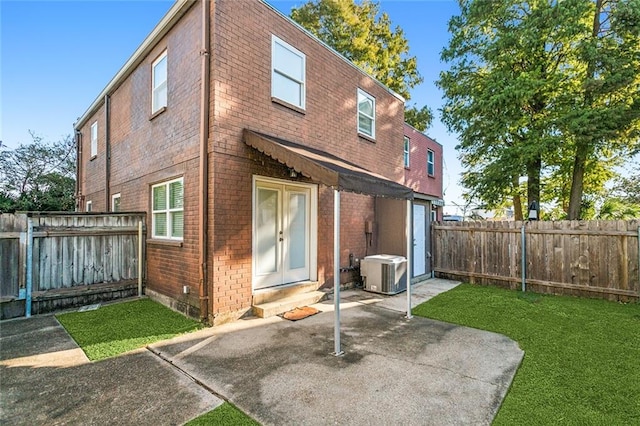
[238, 132]
[423, 173]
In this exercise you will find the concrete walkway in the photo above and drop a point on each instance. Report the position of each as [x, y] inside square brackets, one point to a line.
[394, 371]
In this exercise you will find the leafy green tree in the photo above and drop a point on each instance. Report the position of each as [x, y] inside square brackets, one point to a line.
[38, 176]
[419, 118]
[362, 34]
[531, 92]
[502, 77]
[603, 110]
[627, 186]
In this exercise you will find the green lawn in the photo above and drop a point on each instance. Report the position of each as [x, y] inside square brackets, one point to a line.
[121, 327]
[226, 414]
[582, 356]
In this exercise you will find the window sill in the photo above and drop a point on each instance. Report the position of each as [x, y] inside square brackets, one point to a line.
[93, 157]
[166, 243]
[366, 137]
[431, 176]
[288, 105]
[157, 113]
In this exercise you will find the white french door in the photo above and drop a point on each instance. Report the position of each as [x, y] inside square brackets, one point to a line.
[419, 239]
[282, 243]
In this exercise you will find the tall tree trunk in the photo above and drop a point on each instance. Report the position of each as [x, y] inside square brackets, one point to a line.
[583, 143]
[517, 200]
[577, 183]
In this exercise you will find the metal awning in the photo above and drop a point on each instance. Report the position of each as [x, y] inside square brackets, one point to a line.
[326, 168]
[340, 175]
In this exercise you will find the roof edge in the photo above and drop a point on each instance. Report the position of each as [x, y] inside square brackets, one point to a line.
[335, 52]
[423, 133]
[167, 22]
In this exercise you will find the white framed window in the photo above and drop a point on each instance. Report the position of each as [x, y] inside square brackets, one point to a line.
[407, 145]
[287, 73]
[88, 206]
[434, 214]
[94, 139]
[115, 202]
[431, 163]
[167, 209]
[366, 114]
[159, 83]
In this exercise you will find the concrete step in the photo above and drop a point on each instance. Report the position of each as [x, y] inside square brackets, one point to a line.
[276, 293]
[276, 307]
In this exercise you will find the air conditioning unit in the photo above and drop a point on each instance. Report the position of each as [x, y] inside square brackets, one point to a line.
[384, 273]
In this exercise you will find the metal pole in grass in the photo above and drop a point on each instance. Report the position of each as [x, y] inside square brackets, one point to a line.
[533, 215]
[139, 258]
[524, 257]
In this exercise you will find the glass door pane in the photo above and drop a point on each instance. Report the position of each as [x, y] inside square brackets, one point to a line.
[297, 245]
[267, 231]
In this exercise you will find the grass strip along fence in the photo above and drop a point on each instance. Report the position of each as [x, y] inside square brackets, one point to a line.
[581, 363]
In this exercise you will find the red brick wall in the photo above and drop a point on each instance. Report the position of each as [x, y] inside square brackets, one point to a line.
[149, 150]
[146, 150]
[416, 176]
[241, 96]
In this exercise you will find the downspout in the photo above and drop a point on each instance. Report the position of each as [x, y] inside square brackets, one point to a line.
[203, 200]
[107, 139]
[79, 206]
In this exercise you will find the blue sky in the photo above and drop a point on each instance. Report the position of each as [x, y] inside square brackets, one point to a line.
[56, 57]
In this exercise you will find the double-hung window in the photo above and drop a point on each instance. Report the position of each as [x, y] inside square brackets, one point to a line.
[287, 73]
[168, 213]
[159, 83]
[94, 139]
[115, 202]
[366, 114]
[431, 164]
[406, 151]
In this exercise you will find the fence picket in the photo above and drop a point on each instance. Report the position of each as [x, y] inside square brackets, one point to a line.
[583, 258]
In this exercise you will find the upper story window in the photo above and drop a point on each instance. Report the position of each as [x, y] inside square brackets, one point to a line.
[115, 202]
[366, 114]
[94, 139]
[431, 163]
[167, 209]
[406, 151]
[287, 73]
[159, 83]
[88, 206]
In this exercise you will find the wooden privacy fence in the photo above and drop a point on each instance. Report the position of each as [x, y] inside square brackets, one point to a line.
[583, 258]
[54, 260]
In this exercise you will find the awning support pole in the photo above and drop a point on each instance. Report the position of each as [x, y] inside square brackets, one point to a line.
[337, 351]
[409, 257]
[140, 258]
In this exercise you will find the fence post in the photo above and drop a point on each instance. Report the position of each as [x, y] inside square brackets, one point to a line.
[524, 258]
[29, 283]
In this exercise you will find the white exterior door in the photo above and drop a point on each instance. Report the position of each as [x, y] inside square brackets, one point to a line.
[419, 239]
[282, 242]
